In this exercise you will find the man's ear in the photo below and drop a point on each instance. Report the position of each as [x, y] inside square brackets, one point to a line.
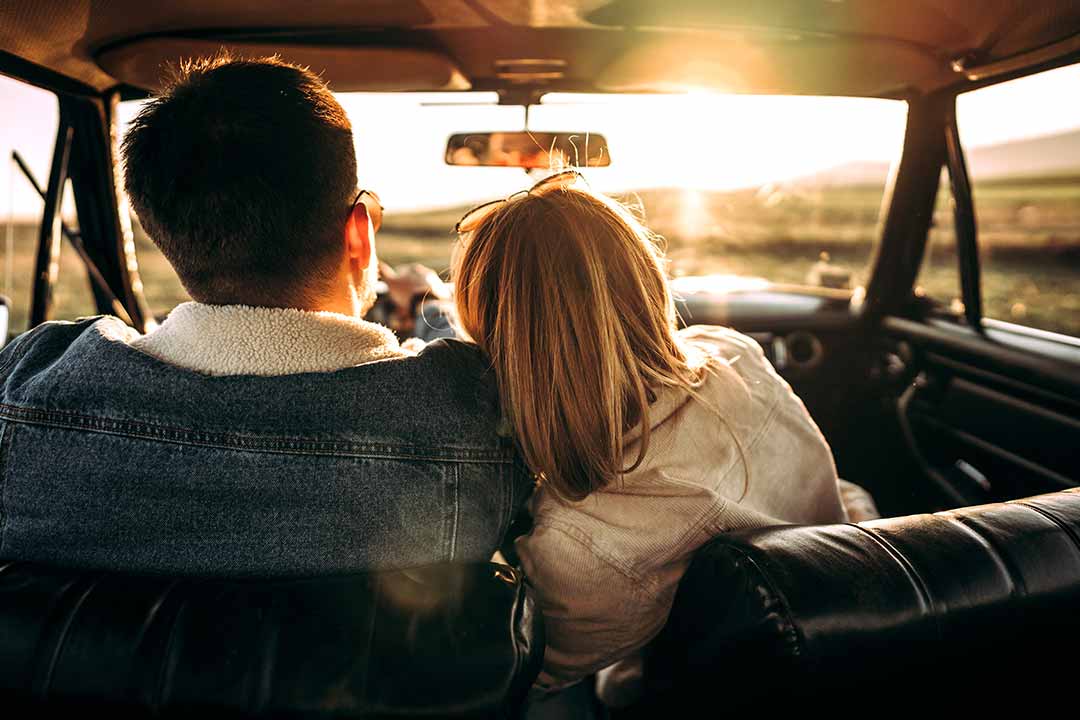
[359, 235]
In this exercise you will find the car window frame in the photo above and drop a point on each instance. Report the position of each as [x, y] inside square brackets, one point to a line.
[93, 173]
[1019, 337]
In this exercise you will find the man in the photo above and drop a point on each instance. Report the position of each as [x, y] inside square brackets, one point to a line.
[263, 428]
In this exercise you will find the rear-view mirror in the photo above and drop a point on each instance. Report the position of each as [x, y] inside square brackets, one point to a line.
[528, 149]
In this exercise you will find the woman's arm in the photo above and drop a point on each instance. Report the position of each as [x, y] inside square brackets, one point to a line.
[594, 612]
[858, 503]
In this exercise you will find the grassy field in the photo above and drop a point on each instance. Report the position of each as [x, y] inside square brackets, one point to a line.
[71, 295]
[1029, 233]
[741, 233]
[1029, 241]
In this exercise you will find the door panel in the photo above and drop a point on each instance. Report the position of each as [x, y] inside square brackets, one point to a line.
[986, 420]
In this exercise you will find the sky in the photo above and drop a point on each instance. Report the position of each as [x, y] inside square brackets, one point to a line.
[697, 140]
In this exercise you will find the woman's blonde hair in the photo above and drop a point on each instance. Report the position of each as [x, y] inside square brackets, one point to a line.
[566, 293]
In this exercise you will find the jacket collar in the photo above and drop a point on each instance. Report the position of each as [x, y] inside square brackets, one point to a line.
[244, 340]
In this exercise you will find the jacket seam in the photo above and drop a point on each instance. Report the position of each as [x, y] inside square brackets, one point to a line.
[758, 434]
[764, 426]
[510, 479]
[235, 441]
[581, 538]
[709, 517]
[7, 429]
[506, 494]
[678, 548]
[622, 633]
[455, 511]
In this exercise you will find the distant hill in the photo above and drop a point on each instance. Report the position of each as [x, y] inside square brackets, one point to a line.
[1048, 155]
[852, 173]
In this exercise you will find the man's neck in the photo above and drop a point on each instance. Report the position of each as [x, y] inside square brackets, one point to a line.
[348, 308]
[342, 303]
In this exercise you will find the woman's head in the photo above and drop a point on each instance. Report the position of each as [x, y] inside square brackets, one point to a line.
[566, 292]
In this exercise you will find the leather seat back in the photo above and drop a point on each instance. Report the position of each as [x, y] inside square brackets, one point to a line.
[455, 640]
[902, 611]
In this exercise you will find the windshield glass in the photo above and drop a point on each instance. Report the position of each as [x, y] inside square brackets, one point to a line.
[788, 189]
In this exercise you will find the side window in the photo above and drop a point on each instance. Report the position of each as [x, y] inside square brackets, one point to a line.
[28, 127]
[1021, 140]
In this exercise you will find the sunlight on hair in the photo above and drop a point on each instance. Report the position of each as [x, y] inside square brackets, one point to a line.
[573, 381]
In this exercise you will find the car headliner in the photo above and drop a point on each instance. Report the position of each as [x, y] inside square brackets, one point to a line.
[842, 47]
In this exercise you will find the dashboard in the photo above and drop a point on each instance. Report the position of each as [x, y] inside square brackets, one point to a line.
[798, 328]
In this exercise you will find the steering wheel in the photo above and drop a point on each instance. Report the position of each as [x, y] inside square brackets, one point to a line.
[401, 293]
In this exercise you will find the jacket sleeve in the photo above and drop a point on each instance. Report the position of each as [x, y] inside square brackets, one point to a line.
[594, 612]
[858, 504]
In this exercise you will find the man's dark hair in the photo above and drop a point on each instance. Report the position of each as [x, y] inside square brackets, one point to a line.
[242, 172]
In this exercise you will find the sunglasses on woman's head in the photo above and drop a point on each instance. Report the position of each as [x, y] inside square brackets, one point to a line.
[374, 207]
[560, 179]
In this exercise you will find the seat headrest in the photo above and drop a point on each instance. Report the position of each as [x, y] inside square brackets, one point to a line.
[443, 640]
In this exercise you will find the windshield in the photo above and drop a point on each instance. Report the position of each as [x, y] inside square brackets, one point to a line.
[788, 189]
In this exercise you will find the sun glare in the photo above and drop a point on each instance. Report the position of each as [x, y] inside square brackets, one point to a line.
[693, 215]
[717, 141]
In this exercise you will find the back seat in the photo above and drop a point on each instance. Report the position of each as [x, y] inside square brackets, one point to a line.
[966, 610]
[975, 608]
[442, 641]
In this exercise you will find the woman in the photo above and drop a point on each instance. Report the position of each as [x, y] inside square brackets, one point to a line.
[645, 441]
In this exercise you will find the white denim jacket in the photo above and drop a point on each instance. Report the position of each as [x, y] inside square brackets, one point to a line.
[606, 569]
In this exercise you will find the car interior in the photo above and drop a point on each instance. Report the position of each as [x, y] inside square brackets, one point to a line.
[954, 403]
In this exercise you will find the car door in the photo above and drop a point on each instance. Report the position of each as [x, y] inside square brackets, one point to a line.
[990, 343]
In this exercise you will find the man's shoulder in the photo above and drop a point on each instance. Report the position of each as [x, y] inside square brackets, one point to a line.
[456, 354]
[58, 347]
[460, 373]
[53, 339]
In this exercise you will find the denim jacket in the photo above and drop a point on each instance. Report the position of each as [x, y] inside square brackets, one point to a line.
[112, 458]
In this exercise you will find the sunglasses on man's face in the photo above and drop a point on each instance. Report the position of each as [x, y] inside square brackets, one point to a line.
[472, 218]
[374, 207]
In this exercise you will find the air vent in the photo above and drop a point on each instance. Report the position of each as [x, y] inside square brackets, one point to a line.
[804, 350]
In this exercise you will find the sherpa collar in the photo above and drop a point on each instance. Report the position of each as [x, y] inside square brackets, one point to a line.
[243, 340]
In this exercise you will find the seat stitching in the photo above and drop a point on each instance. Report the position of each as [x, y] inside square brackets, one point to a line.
[916, 579]
[168, 661]
[152, 613]
[377, 587]
[1052, 517]
[791, 628]
[1019, 587]
[270, 631]
[46, 681]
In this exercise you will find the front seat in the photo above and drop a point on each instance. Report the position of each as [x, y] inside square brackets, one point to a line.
[445, 641]
[975, 609]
